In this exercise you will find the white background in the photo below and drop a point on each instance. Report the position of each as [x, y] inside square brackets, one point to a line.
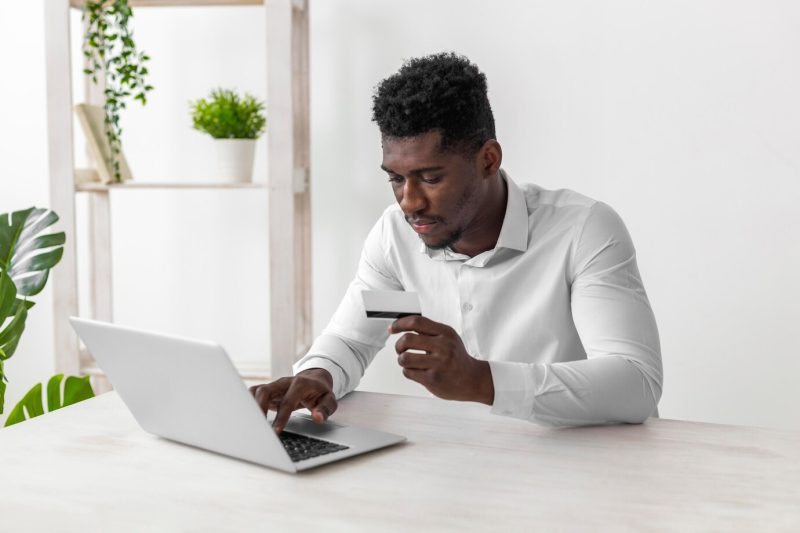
[682, 115]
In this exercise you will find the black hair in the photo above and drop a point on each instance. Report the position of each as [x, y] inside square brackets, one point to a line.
[444, 92]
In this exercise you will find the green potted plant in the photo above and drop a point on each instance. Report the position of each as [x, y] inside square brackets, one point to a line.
[111, 52]
[26, 257]
[235, 122]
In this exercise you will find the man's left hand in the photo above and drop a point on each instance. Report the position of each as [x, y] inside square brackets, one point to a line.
[445, 369]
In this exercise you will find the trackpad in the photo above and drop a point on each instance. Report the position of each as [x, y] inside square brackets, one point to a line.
[303, 424]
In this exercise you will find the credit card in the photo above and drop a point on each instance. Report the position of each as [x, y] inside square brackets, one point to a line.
[391, 304]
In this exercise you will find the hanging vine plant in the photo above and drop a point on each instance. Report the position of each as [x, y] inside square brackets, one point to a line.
[111, 52]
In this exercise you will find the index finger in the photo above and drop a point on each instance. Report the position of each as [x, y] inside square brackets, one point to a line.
[290, 402]
[418, 324]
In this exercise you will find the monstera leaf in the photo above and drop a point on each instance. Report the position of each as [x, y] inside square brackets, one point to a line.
[26, 257]
[25, 262]
[75, 390]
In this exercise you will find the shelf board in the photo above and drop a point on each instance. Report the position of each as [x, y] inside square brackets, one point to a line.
[179, 3]
[140, 185]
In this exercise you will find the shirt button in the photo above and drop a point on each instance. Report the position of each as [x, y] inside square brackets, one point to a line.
[467, 307]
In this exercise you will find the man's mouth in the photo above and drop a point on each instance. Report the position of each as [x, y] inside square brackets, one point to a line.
[422, 225]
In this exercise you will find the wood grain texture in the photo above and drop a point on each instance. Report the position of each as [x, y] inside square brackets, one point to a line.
[64, 278]
[288, 147]
[92, 468]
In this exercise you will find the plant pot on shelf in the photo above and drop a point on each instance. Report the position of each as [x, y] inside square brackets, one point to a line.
[234, 159]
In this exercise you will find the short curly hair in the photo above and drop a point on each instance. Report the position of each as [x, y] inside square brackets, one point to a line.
[444, 92]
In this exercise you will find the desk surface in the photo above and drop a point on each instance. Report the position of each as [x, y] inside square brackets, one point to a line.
[90, 467]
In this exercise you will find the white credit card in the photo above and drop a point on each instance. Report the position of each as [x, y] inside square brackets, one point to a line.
[391, 304]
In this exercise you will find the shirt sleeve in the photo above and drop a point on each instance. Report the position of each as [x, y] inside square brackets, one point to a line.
[621, 378]
[350, 341]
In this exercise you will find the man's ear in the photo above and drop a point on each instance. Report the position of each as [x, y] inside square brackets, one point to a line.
[490, 157]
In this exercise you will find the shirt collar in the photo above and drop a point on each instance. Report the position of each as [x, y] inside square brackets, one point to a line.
[514, 232]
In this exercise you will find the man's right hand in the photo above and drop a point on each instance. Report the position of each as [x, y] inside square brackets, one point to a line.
[312, 389]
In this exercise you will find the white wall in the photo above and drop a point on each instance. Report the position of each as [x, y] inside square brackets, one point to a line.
[23, 172]
[681, 115]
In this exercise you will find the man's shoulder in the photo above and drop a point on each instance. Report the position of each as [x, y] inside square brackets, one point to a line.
[537, 196]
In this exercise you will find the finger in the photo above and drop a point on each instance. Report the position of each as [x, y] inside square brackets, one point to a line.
[419, 324]
[326, 405]
[290, 402]
[415, 361]
[412, 341]
[420, 376]
[263, 395]
[268, 395]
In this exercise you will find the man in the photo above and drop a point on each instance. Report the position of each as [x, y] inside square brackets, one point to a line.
[532, 299]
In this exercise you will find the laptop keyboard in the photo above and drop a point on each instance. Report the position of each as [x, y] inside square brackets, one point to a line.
[301, 447]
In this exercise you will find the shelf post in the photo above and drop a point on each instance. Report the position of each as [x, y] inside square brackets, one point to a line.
[63, 278]
[288, 146]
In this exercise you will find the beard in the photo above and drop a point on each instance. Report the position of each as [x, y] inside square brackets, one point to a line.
[444, 243]
[464, 203]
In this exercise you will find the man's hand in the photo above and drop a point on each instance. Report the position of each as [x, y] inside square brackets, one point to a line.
[446, 369]
[312, 389]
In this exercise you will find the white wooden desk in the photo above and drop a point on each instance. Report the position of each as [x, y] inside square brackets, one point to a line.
[89, 467]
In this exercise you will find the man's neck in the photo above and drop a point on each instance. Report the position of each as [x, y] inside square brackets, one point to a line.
[488, 225]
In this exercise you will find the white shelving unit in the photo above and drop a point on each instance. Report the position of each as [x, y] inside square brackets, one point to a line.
[287, 187]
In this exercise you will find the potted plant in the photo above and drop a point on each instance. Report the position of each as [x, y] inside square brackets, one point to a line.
[235, 122]
[26, 257]
[110, 52]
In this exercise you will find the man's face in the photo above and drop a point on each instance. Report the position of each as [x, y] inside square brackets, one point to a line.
[439, 191]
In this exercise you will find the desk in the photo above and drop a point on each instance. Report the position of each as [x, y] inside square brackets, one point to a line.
[89, 467]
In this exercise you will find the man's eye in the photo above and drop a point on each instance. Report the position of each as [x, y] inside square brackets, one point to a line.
[395, 179]
[432, 179]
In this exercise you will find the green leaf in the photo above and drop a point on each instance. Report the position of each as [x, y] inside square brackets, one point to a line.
[26, 256]
[41, 242]
[76, 389]
[25, 262]
[227, 115]
[33, 283]
[11, 332]
[32, 401]
[8, 297]
[2, 386]
[54, 392]
[38, 262]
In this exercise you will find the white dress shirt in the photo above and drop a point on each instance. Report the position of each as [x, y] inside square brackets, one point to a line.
[557, 308]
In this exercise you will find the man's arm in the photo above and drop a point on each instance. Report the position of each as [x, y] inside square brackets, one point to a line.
[336, 361]
[621, 379]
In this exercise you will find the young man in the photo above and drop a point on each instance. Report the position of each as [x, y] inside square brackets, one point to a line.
[532, 298]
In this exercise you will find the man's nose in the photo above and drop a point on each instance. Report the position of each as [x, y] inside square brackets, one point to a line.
[413, 200]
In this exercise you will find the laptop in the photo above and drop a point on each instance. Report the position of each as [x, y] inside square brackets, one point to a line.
[188, 391]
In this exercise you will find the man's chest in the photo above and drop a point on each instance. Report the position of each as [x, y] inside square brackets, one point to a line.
[513, 303]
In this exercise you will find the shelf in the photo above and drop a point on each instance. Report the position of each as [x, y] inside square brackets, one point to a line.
[179, 3]
[286, 194]
[141, 185]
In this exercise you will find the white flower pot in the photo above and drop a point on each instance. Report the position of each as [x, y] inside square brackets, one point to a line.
[234, 159]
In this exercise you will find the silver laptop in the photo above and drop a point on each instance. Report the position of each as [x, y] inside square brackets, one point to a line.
[189, 391]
